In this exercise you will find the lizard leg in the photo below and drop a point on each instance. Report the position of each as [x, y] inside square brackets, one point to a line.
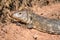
[29, 26]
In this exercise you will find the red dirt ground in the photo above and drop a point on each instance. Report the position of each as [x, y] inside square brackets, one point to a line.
[13, 32]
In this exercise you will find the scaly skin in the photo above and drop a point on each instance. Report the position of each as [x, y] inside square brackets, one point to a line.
[37, 22]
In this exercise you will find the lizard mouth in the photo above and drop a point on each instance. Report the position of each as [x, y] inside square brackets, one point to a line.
[20, 22]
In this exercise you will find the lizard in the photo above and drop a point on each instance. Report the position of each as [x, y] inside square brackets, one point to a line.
[35, 21]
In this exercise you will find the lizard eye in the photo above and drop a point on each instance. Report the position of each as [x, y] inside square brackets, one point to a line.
[19, 13]
[31, 18]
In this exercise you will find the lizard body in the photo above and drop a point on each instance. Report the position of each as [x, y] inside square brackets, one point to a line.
[37, 22]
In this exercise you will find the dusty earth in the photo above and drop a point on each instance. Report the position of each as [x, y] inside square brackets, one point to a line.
[11, 31]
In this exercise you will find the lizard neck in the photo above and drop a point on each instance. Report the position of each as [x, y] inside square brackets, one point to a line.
[38, 18]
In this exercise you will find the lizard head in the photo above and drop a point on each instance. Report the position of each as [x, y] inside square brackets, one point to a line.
[23, 16]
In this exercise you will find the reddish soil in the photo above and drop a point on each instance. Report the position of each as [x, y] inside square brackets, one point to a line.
[11, 31]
